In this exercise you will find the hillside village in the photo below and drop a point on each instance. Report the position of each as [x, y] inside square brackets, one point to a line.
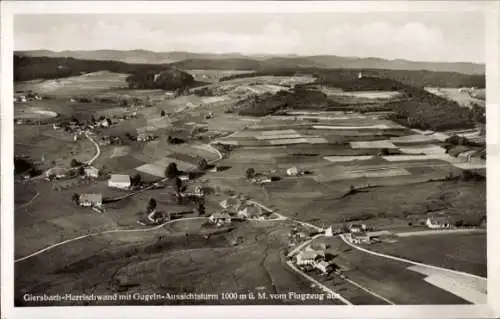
[305, 177]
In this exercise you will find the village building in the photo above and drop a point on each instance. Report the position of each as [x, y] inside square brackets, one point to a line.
[145, 137]
[306, 257]
[229, 203]
[90, 200]
[329, 232]
[119, 181]
[57, 172]
[220, 218]
[184, 177]
[437, 222]
[91, 171]
[249, 212]
[360, 238]
[155, 217]
[323, 266]
[261, 179]
[356, 228]
[293, 171]
[216, 169]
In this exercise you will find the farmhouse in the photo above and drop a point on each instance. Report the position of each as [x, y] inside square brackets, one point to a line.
[323, 266]
[91, 171]
[250, 211]
[360, 238]
[145, 137]
[155, 217]
[119, 181]
[229, 203]
[437, 222]
[306, 257]
[356, 228]
[261, 179]
[90, 200]
[220, 218]
[293, 171]
[57, 172]
[184, 177]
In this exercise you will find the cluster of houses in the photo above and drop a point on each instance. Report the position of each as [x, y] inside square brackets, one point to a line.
[108, 140]
[28, 97]
[438, 222]
[358, 234]
[235, 208]
[314, 256]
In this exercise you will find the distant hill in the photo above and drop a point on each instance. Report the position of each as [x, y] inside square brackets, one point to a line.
[147, 76]
[258, 62]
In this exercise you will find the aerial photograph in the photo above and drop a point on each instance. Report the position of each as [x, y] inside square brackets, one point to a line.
[249, 159]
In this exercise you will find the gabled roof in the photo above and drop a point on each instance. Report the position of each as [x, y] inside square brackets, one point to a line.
[90, 197]
[439, 219]
[308, 254]
[221, 215]
[119, 178]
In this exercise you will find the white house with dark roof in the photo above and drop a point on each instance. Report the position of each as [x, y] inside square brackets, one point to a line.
[220, 218]
[90, 200]
[437, 222]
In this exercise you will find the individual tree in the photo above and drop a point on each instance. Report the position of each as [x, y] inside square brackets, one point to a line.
[75, 198]
[74, 163]
[136, 179]
[101, 118]
[162, 113]
[384, 152]
[151, 206]
[81, 171]
[250, 173]
[178, 185]
[202, 164]
[171, 171]
[201, 209]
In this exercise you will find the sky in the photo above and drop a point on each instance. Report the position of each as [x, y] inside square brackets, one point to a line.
[418, 36]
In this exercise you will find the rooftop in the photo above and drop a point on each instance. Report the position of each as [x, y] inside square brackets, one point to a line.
[119, 178]
[91, 197]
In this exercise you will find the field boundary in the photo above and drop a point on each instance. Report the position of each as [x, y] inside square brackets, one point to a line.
[408, 261]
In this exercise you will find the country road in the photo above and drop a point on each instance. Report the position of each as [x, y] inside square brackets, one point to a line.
[103, 233]
[329, 291]
[89, 162]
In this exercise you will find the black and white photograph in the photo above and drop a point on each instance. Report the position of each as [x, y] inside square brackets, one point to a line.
[249, 158]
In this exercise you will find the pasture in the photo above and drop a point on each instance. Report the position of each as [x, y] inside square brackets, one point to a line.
[147, 262]
[77, 85]
[387, 278]
[459, 251]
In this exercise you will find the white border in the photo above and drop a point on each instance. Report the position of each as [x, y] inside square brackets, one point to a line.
[10, 8]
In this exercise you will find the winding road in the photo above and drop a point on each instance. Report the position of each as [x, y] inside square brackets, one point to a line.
[280, 217]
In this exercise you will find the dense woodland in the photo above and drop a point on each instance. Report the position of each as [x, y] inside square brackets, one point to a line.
[297, 99]
[341, 77]
[141, 75]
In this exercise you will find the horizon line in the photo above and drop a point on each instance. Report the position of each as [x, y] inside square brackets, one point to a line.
[253, 54]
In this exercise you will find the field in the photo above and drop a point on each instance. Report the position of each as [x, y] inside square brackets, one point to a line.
[356, 168]
[83, 84]
[387, 278]
[463, 252]
[464, 98]
[164, 261]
